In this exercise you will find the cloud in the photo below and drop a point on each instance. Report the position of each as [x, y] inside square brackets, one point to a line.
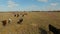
[31, 8]
[3, 8]
[12, 5]
[42, 0]
[54, 4]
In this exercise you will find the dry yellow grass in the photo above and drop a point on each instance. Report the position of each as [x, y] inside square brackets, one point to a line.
[31, 22]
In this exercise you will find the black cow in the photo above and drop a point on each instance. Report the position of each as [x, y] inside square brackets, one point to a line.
[20, 21]
[16, 15]
[54, 29]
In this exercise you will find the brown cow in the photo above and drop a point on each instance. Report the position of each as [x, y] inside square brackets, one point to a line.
[24, 14]
[4, 22]
[17, 15]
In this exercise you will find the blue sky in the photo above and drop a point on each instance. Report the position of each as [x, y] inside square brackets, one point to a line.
[29, 5]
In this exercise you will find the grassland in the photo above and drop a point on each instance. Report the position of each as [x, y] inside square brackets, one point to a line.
[31, 22]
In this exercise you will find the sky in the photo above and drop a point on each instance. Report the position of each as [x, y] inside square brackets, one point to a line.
[29, 5]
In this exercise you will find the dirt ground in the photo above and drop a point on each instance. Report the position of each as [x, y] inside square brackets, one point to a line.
[31, 22]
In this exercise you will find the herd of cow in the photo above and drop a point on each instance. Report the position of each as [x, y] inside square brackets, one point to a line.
[4, 22]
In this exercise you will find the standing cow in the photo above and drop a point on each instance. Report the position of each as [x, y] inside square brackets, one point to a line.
[20, 21]
[24, 14]
[4, 22]
[9, 20]
[16, 15]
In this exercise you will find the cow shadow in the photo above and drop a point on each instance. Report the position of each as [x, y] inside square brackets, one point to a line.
[54, 29]
[42, 31]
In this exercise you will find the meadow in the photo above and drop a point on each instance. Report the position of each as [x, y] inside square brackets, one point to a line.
[31, 22]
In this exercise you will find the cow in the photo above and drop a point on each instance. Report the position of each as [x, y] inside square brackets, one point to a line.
[24, 14]
[54, 29]
[14, 15]
[4, 22]
[9, 20]
[20, 21]
[17, 15]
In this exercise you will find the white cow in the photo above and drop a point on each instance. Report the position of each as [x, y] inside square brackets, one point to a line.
[9, 20]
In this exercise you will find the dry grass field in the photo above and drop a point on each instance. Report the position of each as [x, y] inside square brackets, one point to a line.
[31, 22]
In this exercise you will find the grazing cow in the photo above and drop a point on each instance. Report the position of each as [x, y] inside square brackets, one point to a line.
[9, 20]
[23, 15]
[4, 22]
[54, 29]
[20, 21]
[17, 15]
